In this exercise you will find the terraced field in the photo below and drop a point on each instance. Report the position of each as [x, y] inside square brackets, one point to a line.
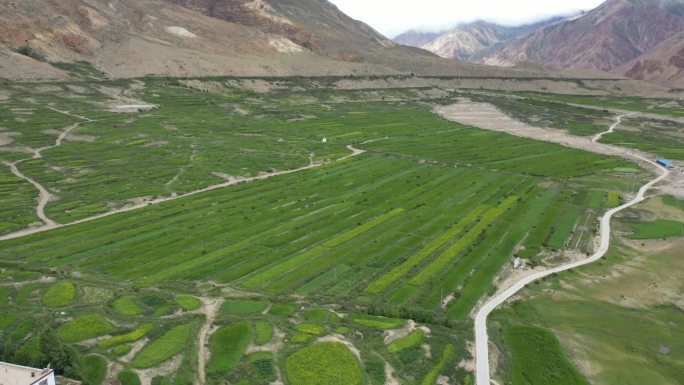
[419, 227]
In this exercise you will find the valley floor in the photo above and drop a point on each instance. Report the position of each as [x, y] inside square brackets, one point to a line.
[254, 236]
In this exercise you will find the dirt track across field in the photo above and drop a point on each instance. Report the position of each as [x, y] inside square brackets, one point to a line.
[232, 182]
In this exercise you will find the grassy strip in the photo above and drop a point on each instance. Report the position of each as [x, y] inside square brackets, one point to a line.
[381, 323]
[443, 260]
[163, 348]
[188, 302]
[411, 340]
[444, 359]
[395, 274]
[563, 228]
[263, 332]
[281, 268]
[243, 307]
[311, 329]
[132, 336]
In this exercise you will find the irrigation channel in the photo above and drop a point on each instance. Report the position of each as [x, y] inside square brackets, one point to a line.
[49, 224]
[481, 336]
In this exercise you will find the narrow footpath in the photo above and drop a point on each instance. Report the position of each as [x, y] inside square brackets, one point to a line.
[232, 182]
[44, 195]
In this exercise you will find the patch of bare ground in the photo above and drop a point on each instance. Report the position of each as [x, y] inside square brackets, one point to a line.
[81, 138]
[113, 370]
[135, 348]
[488, 117]
[210, 308]
[395, 334]
[7, 137]
[41, 280]
[273, 347]
[390, 379]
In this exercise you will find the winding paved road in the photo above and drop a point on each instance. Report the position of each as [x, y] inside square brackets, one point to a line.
[481, 337]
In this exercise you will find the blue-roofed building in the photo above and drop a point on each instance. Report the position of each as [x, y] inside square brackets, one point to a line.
[665, 163]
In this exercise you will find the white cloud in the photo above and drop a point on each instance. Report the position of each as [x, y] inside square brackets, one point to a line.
[392, 17]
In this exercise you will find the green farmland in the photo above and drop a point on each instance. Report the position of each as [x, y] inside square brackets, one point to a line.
[372, 260]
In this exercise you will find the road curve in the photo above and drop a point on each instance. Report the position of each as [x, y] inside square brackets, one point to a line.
[40, 229]
[482, 339]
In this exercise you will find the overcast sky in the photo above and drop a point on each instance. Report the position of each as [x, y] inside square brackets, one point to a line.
[392, 17]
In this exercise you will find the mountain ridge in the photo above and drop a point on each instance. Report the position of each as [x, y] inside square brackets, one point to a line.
[607, 39]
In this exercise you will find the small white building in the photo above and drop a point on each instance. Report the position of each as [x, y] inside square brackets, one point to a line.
[11, 374]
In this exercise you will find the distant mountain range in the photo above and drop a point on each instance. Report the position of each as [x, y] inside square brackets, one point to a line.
[470, 41]
[126, 38]
[641, 39]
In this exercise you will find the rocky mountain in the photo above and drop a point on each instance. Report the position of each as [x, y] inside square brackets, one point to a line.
[608, 38]
[470, 41]
[663, 65]
[126, 38]
[415, 38]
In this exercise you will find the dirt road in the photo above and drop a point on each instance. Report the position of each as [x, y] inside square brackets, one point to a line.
[44, 195]
[40, 229]
[210, 307]
[490, 118]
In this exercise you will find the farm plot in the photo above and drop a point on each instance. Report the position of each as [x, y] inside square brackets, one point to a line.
[416, 227]
[428, 208]
[324, 363]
